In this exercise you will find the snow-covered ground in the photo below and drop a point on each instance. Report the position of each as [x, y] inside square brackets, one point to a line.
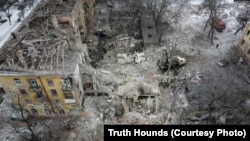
[6, 28]
[190, 35]
[197, 2]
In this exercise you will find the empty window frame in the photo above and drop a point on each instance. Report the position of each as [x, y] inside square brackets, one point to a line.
[150, 27]
[57, 102]
[23, 91]
[68, 96]
[47, 112]
[53, 92]
[66, 85]
[102, 94]
[18, 82]
[242, 42]
[32, 83]
[61, 112]
[34, 112]
[2, 91]
[64, 24]
[50, 82]
[248, 51]
[88, 86]
[89, 94]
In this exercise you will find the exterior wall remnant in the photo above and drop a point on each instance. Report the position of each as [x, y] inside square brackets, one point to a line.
[149, 33]
[44, 95]
[244, 44]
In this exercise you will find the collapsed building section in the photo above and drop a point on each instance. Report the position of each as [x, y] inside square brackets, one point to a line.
[119, 21]
[139, 97]
[47, 70]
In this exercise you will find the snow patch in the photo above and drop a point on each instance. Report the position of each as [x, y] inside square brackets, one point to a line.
[198, 2]
[6, 28]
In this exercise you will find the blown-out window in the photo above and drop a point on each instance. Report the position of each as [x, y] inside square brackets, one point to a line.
[68, 96]
[18, 82]
[248, 32]
[61, 112]
[2, 90]
[23, 91]
[34, 112]
[53, 92]
[47, 112]
[242, 42]
[32, 83]
[50, 82]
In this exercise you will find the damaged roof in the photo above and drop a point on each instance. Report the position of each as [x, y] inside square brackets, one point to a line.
[37, 48]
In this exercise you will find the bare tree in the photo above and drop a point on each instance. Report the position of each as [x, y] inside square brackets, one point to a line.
[6, 10]
[220, 98]
[158, 9]
[242, 19]
[52, 128]
[212, 6]
[163, 15]
[31, 135]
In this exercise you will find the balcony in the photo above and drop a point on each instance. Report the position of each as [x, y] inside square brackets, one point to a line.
[66, 84]
[35, 89]
[66, 88]
[69, 100]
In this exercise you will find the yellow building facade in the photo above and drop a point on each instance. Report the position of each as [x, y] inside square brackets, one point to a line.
[43, 95]
[245, 43]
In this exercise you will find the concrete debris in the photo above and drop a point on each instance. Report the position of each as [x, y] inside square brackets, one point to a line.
[183, 101]
[199, 117]
[119, 68]
[178, 60]
[140, 57]
[241, 60]
[247, 104]
[125, 58]
[221, 120]
[71, 136]
[124, 44]
[222, 63]
[167, 62]
[192, 77]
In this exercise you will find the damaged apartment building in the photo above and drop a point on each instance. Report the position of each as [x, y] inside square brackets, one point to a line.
[40, 69]
[47, 70]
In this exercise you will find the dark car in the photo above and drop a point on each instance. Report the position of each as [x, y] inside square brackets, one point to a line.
[219, 25]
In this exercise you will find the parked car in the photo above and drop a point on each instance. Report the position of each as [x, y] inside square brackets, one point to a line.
[219, 25]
